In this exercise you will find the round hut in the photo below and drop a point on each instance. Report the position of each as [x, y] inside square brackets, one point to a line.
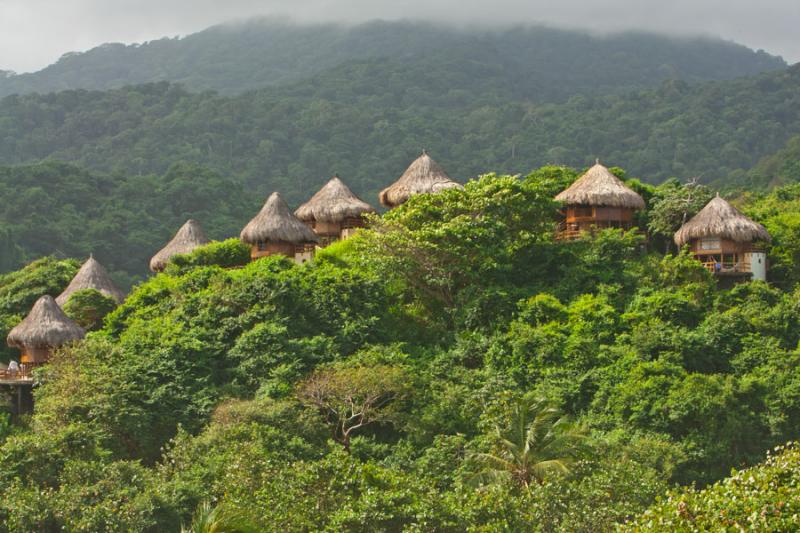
[597, 200]
[92, 275]
[726, 241]
[422, 177]
[44, 329]
[276, 231]
[334, 212]
[188, 238]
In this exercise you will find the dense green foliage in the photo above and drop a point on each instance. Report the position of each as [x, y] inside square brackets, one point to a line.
[368, 120]
[762, 498]
[88, 307]
[150, 156]
[56, 208]
[20, 290]
[781, 168]
[544, 62]
[388, 385]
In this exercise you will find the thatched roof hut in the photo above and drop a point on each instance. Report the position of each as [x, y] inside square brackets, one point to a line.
[92, 275]
[276, 223]
[599, 187]
[720, 219]
[46, 326]
[333, 203]
[423, 176]
[188, 238]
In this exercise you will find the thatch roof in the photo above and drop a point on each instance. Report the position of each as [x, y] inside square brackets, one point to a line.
[599, 187]
[333, 203]
[188, 238]
[92, 275]
[46, 326]
[423, 176]
[276, 223]
[720, 219]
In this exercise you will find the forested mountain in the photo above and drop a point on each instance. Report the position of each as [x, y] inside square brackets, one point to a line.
[544, 63]
[451, 368]
[151, 156]
[367, 120]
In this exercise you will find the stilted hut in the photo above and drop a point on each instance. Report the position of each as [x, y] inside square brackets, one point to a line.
[423, 176]
[188, 238]
[44, 329]
[92, 275]
[726, 241]
[276, 231]
[334, 212]
[597, 200]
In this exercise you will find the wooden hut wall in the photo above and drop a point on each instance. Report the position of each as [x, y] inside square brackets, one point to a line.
[265, 249]
[34, 355]
[580, 213]
[710, 245]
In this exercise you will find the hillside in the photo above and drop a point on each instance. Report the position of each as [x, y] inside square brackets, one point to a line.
[149, 157]
[366, 120]
[763, 498]
[453, 367]
[546, 64]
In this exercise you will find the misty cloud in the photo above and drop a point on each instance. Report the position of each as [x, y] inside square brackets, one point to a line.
[34, 33]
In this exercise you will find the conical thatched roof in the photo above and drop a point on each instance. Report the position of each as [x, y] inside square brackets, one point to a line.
[189, 237]
[92, 275]
[423, 176]
[720, 219]
[276, 223]
[599, 187]
[333, 203]
[46, 326]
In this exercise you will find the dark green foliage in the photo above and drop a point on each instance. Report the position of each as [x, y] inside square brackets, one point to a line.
[54, 207]
[547, 62]
[20, 290]
[781, 168]
[88, 308]
[202, 386]
[227, 254]
[762, 498]
[340, 122]
[158, 154]
[672, 205]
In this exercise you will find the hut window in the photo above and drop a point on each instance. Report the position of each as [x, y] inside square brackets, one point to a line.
[583, 212]
[262, 246]
[710, 244]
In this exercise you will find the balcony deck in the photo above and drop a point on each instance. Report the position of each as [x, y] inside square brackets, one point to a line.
[739, 268]
[23, 376]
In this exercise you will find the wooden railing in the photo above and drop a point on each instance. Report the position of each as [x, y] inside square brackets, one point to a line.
[729, 267]
[25, 373]
[564, 234]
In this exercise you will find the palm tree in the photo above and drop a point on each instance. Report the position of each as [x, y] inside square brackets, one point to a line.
[540, 441]
[219, 519]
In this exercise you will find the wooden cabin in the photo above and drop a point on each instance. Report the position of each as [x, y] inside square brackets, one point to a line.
[44, 329]
[92, 275]
[424, 176]
[597, 200]
[334, 212]
[727, 242]
[276, 231]
[188, 238]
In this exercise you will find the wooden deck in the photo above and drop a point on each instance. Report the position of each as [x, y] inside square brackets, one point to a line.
[741, 268]
[23, 376]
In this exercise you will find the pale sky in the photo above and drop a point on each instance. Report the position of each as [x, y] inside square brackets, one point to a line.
[34, 33]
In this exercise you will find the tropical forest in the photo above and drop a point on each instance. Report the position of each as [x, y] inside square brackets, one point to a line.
[401, 277]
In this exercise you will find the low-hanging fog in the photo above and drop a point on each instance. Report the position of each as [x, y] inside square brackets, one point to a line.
[34, 33]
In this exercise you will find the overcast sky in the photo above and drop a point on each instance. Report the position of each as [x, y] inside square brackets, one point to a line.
[34, 33]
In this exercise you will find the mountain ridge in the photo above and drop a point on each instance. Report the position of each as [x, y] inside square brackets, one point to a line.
[233, 58]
